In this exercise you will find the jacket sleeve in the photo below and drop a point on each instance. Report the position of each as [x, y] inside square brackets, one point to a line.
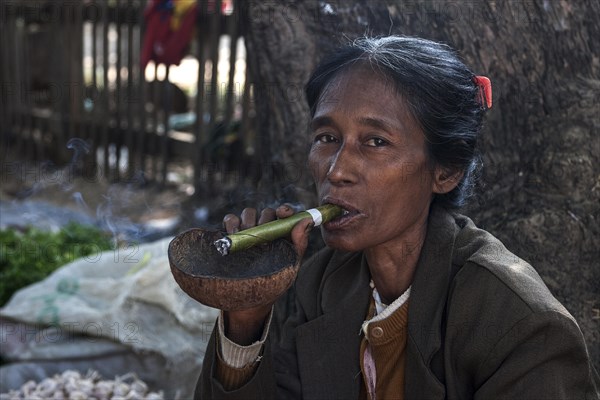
[543, 356]
[275, 377]
[260, 386]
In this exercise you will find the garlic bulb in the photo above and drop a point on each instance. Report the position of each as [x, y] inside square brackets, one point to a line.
[71, 385]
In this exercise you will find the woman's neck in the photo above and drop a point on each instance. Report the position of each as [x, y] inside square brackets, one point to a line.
[393, 264]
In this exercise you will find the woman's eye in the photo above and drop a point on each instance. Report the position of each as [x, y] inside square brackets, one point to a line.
[325, 138]
[376, 142]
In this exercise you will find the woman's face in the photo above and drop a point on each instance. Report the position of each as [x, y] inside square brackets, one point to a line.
[369, 155]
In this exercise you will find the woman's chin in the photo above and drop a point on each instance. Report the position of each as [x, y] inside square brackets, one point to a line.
[336, 242]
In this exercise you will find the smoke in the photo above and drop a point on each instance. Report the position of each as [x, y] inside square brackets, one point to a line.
[78, 197]
[59, 194]
[121, 227]
[116, 198]
[80, 148]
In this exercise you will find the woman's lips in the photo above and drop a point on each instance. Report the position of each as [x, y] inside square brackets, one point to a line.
[342, 221]
[349, 215]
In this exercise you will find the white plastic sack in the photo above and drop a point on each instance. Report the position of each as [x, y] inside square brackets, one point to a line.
[126, 295]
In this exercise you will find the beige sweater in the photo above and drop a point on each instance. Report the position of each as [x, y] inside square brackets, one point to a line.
[387, 343]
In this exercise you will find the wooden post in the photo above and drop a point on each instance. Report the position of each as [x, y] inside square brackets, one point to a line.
[118, 93]
[215, 31]
[94, 120]
[167, 104]
[141, 142]
[106, 91]
[199, 127]
[131, 150]
[232, 31]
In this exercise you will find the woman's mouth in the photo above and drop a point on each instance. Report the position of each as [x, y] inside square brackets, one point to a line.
[349, 215]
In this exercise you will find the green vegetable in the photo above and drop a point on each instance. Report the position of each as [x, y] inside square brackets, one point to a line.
[30, 256]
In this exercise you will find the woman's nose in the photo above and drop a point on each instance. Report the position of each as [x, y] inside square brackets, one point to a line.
[343, 167]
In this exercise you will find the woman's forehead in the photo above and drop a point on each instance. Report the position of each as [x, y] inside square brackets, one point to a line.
[365, 95]
[361, 76]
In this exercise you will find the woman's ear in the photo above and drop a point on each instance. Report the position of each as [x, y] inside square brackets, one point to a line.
[446, 179]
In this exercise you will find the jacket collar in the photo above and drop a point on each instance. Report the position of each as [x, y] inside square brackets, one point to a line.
[331, 341]
[429, 292]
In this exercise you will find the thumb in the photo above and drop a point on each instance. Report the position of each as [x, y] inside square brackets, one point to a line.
[300, 235]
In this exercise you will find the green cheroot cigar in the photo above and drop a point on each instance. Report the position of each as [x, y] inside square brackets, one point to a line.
[274, 230]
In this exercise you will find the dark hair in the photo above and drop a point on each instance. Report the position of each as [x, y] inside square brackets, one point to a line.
[439, 91]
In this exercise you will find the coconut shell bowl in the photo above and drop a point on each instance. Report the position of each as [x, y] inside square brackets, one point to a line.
[238, 281]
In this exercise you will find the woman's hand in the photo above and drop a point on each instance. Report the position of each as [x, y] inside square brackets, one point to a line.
[246, 326]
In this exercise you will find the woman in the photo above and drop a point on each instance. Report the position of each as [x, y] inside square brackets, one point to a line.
[409, 299]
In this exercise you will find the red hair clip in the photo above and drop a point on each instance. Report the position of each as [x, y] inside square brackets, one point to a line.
[485, 90]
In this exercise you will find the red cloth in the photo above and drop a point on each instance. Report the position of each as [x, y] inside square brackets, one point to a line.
[162, 44]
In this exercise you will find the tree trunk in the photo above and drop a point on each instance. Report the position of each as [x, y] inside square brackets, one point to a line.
[541, 145]
[285, 42]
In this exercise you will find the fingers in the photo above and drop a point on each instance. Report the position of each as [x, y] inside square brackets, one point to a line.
[300, 232]
[300, 235]
[248, 218]
[267, 215]
[231, 222]
[284, 211]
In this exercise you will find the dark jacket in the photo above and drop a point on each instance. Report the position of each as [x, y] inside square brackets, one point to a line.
[482, 325]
